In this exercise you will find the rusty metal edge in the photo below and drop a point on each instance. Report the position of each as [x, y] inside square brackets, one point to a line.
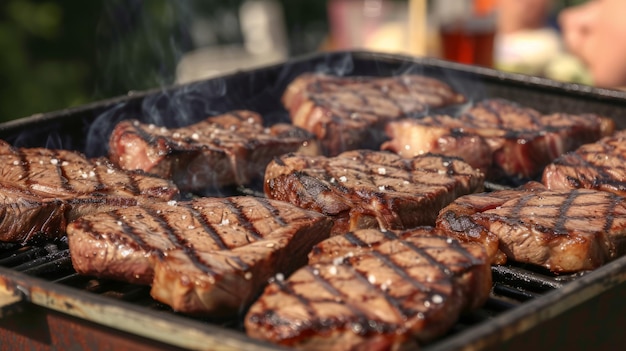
[194, 335]
[530, 314]
[163, 327]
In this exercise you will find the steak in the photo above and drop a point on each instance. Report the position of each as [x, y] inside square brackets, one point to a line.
[600, 165]
[41, 190]
[456, 218]
[348, 113]
[562, 230]
[229, 149]
[503, 139]
[373, 289]
[371, 189]
[203, 256]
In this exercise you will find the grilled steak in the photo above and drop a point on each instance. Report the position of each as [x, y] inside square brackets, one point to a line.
[229, 149]
[347, 113]
[41, 190]
[204, 256]
[499, 137]
[444, 135]
[455, 219]
[600, 165]
[562, 230]
[371, 189]
[371, 290]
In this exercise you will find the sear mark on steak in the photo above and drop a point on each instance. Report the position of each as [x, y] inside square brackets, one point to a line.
[229, 149]
[41, 190]
[371, 189]
[562, 230]
[348, 113]
[506, 141]
[204, 256]
[600, 165]
[372, 289]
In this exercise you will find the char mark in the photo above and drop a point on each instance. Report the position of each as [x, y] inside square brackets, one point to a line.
[273, 210]
[127, 229]
[419, 251]
[149, 138]
[559, 226]
[131, 183]
[354, 240]
[359, 315]
[25, 165]
[181, 243]
[242, 219]
[610, 213]
[279, 161]
[404, 312]
[286, 288]
[206, 225]
[603, 173]
[60, 170]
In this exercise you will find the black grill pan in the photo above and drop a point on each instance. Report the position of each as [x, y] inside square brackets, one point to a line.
[527, 308]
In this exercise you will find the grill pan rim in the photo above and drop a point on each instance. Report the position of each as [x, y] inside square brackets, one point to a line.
[476, 337]
[71, 301]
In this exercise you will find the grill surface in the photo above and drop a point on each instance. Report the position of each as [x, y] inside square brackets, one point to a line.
[50, 261]
[40, 278]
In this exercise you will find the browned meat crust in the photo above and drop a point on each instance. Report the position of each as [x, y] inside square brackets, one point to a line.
[206, 256]
[371, 189]
[41, 190]
[371, 289]
[229, 149]
[501, 138]
[600, 165]
[348, 113]
[563, 231]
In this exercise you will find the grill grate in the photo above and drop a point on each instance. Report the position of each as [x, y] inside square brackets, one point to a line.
[515, 290]
[513, 285]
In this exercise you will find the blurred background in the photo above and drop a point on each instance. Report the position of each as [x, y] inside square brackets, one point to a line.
[59, 54]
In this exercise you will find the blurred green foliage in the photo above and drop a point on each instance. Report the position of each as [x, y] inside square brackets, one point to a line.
[57, 54]
[63, 53]
[42, 64]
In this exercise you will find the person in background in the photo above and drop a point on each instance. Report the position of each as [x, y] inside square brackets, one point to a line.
[595, 31]
[525, 42]
[568, 40]
[521, 15]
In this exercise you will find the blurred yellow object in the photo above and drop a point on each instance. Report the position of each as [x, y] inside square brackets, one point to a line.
[539, 52]
[402, 27]
[568, 68]
[526, 51]
[418, 27]
[389, 37]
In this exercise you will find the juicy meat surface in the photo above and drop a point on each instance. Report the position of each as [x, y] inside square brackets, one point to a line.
[456, 218]
[371, 289]
[371, 189]
[501, 138]
[348, 113]
[229, 149]
[561, 230]
[41, 190]
[410, 137]
[204, 256]
[600, 165]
